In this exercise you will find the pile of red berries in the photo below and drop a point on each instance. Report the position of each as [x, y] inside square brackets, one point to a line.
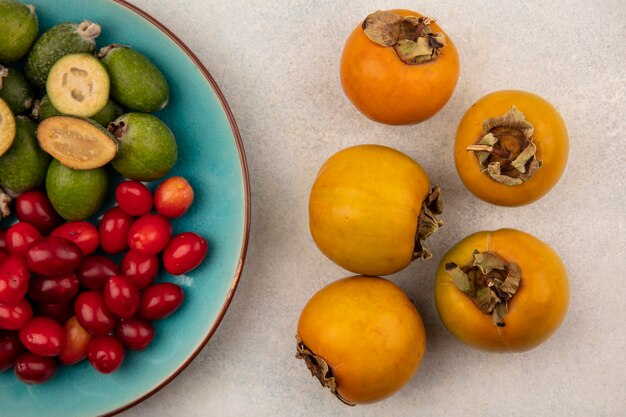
[61, 302]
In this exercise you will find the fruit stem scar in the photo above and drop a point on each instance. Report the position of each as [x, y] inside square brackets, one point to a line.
[117, 129]
[319, 368]
[489, 281]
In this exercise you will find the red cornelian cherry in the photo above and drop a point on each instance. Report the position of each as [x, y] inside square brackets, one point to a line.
[83, 234]
[134, 198]
[142, 269]
[3, 239]
[150, 234]
[53, 290]
[43, 336]
[93, 314]
[160, 301]
[95, 271]
[34, 369]
[15, 317]
[52, 256]
[14, 279]
[35, 208]
[121, 296]
[114, 228]
[135, 333]
[106, 354]
[59, 312]
[173, 197]
[184, 253]
[19, 237]
[10, 349]
[77, 343]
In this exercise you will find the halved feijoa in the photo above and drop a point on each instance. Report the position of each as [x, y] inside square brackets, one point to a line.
[136, 83]
[42, 109]
[7, 127]
[147, 147]
[61, 40]
[18, 29]
[77, 143]
[78, 85]
[24, 166]
[75, 195]
[15, 90]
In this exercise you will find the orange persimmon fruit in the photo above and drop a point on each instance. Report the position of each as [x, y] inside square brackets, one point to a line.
[406, 81]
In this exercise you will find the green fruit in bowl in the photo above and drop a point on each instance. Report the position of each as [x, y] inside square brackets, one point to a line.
[147, 147]
[18, 29]
[24, 166]
[136, 83]
[111, 111]
[61, 40]
[76, 195]
[15, 90]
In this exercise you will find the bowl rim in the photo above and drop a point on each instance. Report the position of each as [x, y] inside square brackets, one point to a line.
[246, 185]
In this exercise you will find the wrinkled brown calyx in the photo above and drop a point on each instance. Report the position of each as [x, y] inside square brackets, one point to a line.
[489, 281]
[428, 223]
[410, 36]
[506, 151]
[319, 369]
[117, 129]
[4, 72]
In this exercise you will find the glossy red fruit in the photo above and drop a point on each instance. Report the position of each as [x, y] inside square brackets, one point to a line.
[106, 354]
[15, 317]
[114, 228]
[160, 300]
[14, 279]
[34, 207]
[150, 234]
[135, 333]
[121, 296]
[95, 271]
[3, 255]
[93, 314]
[53, 256]
[142, 269]
[59, 312]
[53, 290]
[173, 197]
[10, 349]
[19, 237]
[77, 343]
[34, 369]
[134, 198]
[184, 253]
[43, 336]
[3, 239]
[83, 234]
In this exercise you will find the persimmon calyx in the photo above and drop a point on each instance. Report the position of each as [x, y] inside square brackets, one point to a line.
[506, 151]
[489, 281]
[410, 36]
[319, 368]
[428, 223]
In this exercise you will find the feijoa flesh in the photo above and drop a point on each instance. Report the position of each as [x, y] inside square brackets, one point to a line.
[23, 167]
[61, 40]
[78, 85]
[77, 143]
[136, 83]
[147, 147]
[75, 195]
[15, 90]
[7, 127]
[18, 29]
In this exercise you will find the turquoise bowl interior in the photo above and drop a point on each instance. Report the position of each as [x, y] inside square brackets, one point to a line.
[211, 157]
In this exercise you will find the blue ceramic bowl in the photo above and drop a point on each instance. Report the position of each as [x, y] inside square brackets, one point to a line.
[211, 157]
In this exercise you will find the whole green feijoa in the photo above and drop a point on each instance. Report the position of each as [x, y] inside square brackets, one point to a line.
[75, 195]
[136, 83]
[61, 40]
[18, 29]
[24, 166]
[44, 109]
[15, 90]
[147, 147]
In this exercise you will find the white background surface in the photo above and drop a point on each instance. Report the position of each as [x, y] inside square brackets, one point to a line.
[277, 63]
